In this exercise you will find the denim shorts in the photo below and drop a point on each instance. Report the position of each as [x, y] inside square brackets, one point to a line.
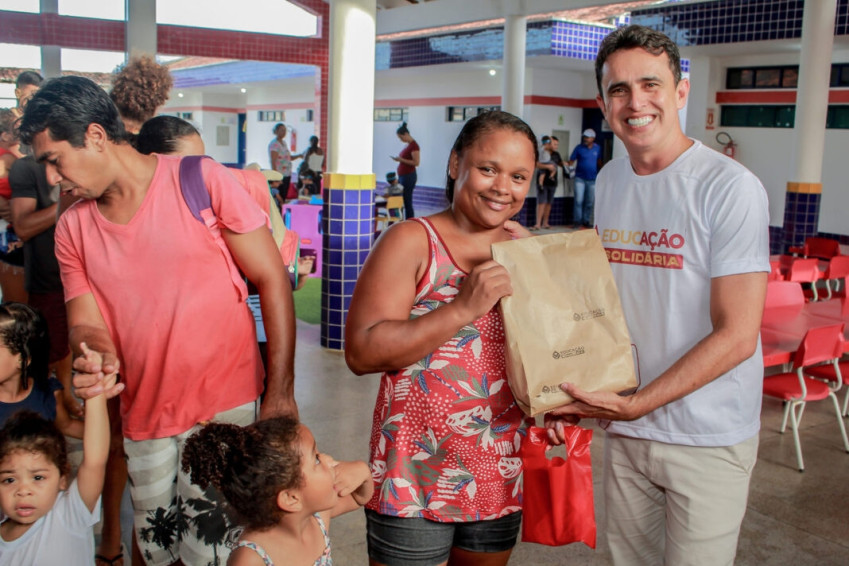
[401, 541]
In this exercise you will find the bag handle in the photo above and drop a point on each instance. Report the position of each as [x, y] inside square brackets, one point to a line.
[536, 444]
[192, 186]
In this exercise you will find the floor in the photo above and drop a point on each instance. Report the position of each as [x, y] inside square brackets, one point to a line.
[793, 518]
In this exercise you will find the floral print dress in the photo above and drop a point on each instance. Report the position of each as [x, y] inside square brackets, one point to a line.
[447, 431]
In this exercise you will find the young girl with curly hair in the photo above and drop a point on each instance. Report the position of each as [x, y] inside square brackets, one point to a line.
[279, 486]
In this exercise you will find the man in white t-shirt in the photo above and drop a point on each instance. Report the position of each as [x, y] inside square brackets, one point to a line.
[686, 232]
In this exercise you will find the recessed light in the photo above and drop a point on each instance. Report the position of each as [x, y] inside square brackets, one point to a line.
[179, 95]
[244, 90]
[492, 72]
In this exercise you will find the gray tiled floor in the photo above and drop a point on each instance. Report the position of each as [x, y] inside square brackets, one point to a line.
[793, 518]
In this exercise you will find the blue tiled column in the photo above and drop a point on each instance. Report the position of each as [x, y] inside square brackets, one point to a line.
[801, 213]
[348, 234]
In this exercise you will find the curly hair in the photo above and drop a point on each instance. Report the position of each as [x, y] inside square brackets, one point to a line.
[30, 432]
[24, 331]
[7, 121]
[248, 465]
[140, 87]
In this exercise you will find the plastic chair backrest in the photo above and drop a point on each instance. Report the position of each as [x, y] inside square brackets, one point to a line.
[820, 344]
[822, 248]
[394, 203]
[784, 294]
[838, 267]
[804, 270]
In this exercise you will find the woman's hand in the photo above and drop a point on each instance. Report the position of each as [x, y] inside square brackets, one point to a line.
[516, 230]
[483, 287]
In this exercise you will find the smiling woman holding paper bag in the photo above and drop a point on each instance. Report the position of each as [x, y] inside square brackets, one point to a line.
[447, 431]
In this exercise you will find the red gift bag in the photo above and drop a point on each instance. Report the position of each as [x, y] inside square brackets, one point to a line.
[558, 494]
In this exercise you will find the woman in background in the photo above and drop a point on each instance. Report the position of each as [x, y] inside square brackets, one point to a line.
[281, 159]
[407, 160]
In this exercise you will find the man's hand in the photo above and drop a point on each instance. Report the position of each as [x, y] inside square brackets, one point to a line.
[96, 373]
[598, 405]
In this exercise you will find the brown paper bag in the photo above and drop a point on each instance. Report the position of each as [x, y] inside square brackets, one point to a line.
[564, 321]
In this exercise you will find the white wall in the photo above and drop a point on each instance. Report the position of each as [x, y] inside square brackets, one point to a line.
[294, 97]
[435, 135]
[768, 152]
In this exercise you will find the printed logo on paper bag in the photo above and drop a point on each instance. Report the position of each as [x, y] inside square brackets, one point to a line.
[568, 353]
[587, 315]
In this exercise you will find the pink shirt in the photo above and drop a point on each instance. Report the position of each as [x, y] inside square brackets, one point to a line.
[184, 335]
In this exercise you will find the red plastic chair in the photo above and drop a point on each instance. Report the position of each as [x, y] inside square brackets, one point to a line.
[822, 344]
[805, 271]
[821, 248]
[784, 294]
[838, 268]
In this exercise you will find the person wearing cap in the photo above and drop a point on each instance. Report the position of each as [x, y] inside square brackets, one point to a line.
[686, 232]
[393, 187]
[586, 157]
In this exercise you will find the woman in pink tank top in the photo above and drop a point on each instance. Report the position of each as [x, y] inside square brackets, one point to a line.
[446, 432]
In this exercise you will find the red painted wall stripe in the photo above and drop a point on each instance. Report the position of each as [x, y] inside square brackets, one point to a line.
[835, 96]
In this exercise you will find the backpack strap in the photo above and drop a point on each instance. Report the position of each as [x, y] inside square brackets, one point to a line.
[197, 198]
[192, 186]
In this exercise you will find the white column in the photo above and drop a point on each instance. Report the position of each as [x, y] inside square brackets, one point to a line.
[140, 36]
[351, 89]
[812, 93]
[51, 55]
[513, 83]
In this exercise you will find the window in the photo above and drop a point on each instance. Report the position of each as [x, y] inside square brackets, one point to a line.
[762, 77]
[840, 75]
[271, 116]
[463, 113]
[310, 115]
[185, 115]
[758, 116]
[786, 76]
[391, 114]
[837, 117]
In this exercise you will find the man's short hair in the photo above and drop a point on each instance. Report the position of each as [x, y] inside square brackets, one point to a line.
[65, 107]
[28, 78]
[631, 37]
[555, 138]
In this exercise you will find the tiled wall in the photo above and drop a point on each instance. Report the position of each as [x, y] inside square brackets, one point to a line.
[801, 217]
[730, 21]
[348, 224]
[109, 35]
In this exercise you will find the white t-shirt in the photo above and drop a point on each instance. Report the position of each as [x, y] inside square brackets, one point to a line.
[666, 236]
[63, 537]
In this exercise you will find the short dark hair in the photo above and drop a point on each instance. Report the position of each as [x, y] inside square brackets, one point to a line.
[30, 432]
[277, 125]
[555, 138]
[483, 124]
[249, 465]
[28, 78]
[402, 129]
[634, 36]
[65, 107]
[161, 134]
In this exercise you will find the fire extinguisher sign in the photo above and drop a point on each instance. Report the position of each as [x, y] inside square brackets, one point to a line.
[710, 119]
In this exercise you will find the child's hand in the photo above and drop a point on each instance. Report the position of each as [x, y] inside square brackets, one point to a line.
[96, 373]
[354, 479]
[516, 230]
